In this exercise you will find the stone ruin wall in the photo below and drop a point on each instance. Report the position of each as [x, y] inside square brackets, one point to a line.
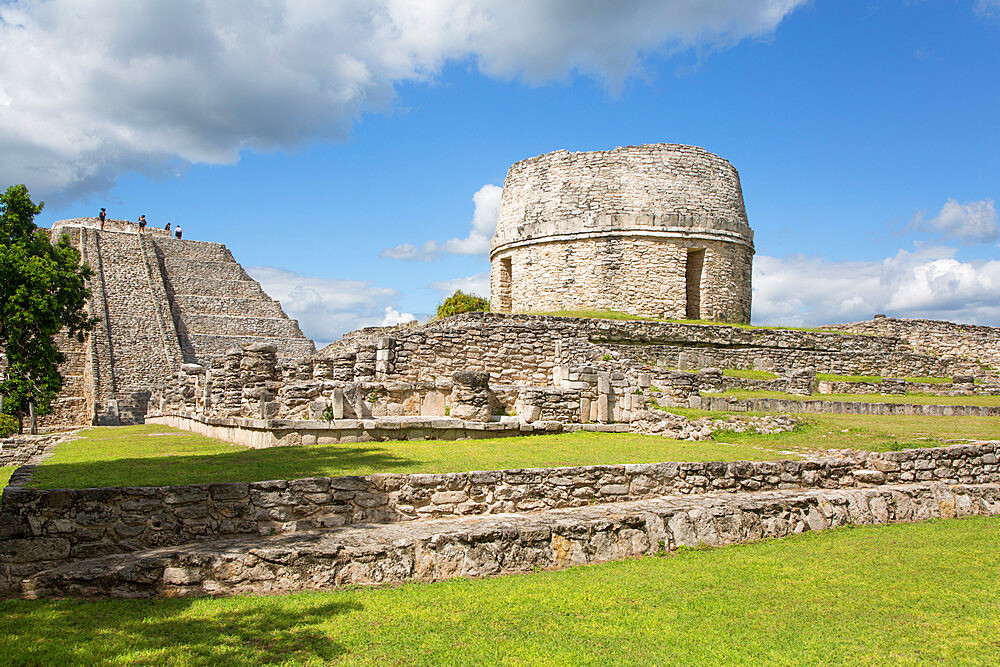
[936, 337]
[537, 367]
[612, 230]
[161, 302]
[40, 529]
[618, 274]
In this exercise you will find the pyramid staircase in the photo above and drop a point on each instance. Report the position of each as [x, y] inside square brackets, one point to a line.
[160, 302]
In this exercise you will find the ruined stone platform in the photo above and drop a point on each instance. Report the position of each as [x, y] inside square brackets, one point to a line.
[435, 549]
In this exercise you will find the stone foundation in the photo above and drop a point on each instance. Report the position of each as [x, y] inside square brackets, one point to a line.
[499, 544]
[40, 529]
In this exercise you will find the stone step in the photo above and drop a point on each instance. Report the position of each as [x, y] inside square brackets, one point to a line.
[212, 287]
[214, 305]
[219, 270]
[429, 550]
[210, 345]
[253, 325]
[187, 249]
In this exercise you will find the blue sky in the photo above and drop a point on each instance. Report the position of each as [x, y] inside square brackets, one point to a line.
[313, 142]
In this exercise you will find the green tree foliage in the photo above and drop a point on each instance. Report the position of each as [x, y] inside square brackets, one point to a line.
[460, 302]
[42, 291]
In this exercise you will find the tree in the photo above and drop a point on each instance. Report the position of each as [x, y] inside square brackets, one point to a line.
[43, 291]
[460, 302]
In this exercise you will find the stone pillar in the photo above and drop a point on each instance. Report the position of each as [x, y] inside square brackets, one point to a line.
[258, 379]
[384, 356]
[963, 383]
[709, 379]
[894, 386]
[801, 381]
[470, 396]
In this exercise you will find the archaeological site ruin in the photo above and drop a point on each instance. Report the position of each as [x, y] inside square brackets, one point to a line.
[657, 230]
[188, 339]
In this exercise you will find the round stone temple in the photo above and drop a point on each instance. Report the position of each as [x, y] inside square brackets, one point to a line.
[658, 230]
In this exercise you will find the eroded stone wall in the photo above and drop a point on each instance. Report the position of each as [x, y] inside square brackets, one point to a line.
[160, 302]
[657, 230]
[538, 367]
[40, 529]
[936, 337]
[642, 276]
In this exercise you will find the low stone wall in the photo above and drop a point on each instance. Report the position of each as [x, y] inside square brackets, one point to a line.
[263, 433]
[729, 404]
[19, 450]
[40, 529]
[492, 545]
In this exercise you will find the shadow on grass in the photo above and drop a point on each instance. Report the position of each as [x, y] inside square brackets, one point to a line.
[239, 466]
[238, 631]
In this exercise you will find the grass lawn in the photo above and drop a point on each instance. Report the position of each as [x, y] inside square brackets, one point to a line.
[159, 455]
[920, 593]
[5, 473]
[917, 399]
[877, 378]
[871, 432]
[749, 375]
[618, 315]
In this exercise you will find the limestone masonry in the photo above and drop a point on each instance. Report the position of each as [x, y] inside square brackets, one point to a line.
[161, 303]
[186, 338]
[658, 230]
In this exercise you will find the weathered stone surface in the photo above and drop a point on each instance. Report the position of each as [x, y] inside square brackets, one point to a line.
[143, 282]
[129, 519]
[498, 544]
[657, 230]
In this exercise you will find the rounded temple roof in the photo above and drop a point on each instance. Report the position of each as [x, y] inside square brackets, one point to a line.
[654, 189]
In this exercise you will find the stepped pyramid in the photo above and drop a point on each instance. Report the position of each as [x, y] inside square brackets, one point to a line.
[161, 302]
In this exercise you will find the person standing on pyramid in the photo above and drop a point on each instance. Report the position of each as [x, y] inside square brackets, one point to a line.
[101, 217]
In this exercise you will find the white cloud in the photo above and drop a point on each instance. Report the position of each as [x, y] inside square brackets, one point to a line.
[988, 7]
[973, 222]
[327, 308]
[90, 89]
[394, 317]
[484, 223]
[478, 284]
[928, 282]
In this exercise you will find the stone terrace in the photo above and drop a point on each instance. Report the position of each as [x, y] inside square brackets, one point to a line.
[109, 541]
[161, 302]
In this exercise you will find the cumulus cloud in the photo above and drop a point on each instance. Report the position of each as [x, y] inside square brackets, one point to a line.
[90, 89]
[327, 308]
[928, 282]
[394, 317]
[484, 222]
[973, 222]
[478, 284]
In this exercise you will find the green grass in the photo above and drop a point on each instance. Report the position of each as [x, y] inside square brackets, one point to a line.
[915, 398]
[902, 594]
[618, 315]
[877, 378]
[870, 432]
[154, 455]
[5, 473]
[848, 378]
[749, 375]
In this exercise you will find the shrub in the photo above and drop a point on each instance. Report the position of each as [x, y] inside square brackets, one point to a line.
[460, 302]
[8, 425]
